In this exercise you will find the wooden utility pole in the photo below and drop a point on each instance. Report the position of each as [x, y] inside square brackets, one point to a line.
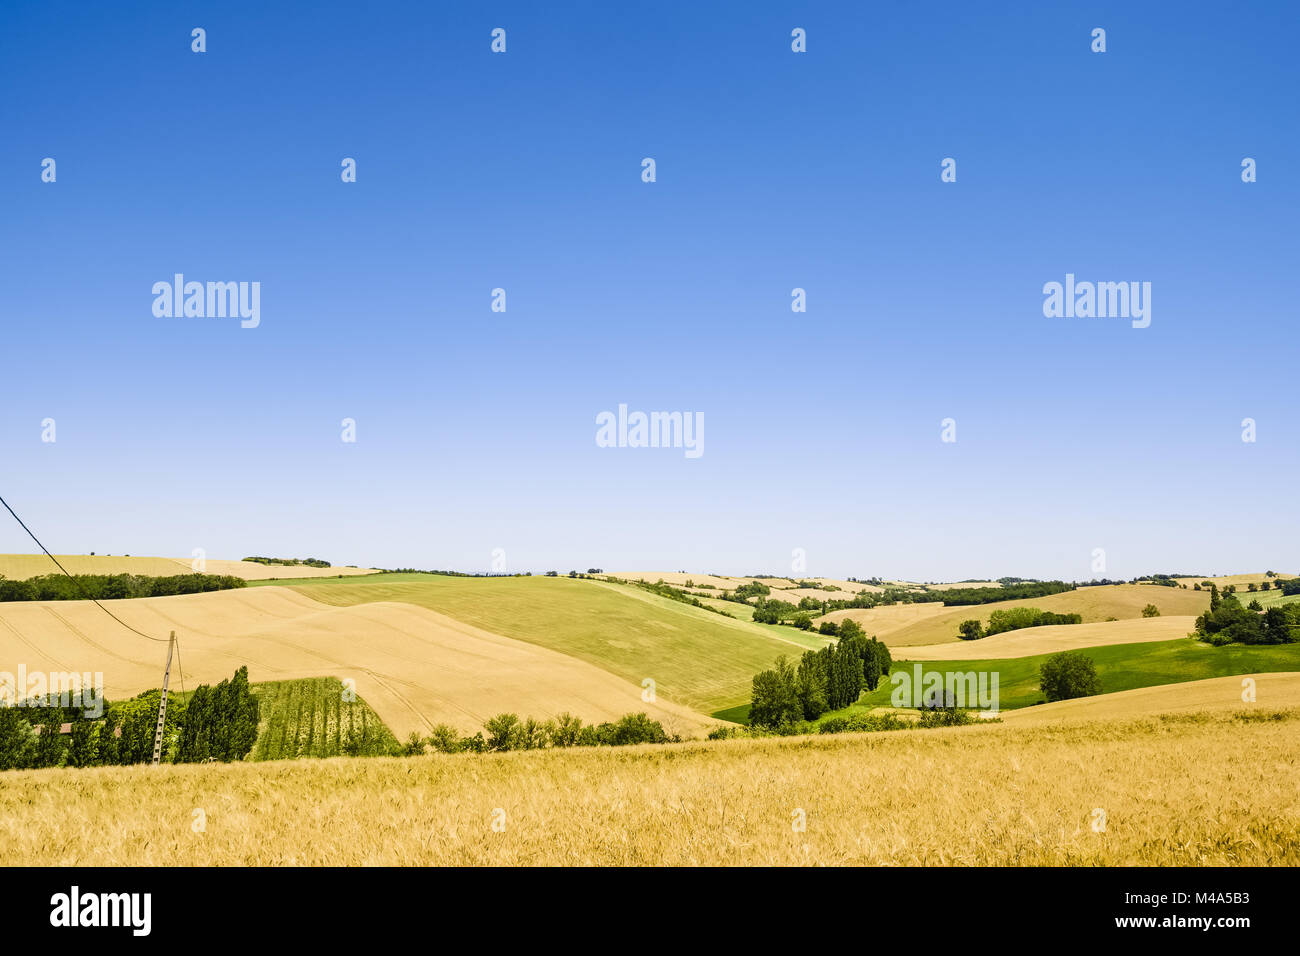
[162, 704]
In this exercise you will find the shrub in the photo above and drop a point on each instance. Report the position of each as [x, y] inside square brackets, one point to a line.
[944, 717]
[1151, 611]
[444, 739]
[502, 732]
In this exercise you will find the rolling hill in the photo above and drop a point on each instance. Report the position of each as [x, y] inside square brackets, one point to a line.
[414, 666]
[1053, 638]
[1121, 601]
[1273, 692]
[702, 660]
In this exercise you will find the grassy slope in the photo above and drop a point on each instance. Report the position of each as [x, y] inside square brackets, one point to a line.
[1026, 796]
[1095, 604]
[697, 658]
[1120, 667]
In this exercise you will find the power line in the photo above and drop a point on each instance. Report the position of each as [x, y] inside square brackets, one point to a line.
[160, 640]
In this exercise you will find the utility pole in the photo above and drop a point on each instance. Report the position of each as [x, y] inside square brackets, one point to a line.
[162, 704]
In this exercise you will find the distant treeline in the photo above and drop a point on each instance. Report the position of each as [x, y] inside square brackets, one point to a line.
[111, 587]
[217, 723]
[988, 595]
[304, 562]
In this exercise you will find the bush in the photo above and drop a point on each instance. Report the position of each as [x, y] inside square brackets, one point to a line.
[444, 739]
[1151, 611]
[944, 717]
[1069, 675]
[970, 630]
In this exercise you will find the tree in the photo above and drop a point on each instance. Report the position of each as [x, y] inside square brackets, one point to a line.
[1151, 611]
[15, 739]
[51, 746]
[1068, 675]
[970, 630]
[850, 629]
[1277, 626]
[1215, 600]
[774, 701]
[883, 657]
[811, 686]
[107, 740]
[81, 750]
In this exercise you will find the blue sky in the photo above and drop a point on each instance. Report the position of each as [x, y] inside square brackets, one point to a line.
[775, 170]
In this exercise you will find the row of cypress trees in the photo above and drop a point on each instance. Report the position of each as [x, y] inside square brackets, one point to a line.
[220, 722]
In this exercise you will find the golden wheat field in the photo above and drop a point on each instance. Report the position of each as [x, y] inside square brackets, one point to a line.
[990, 794]
[1238, 580]
[19, 567]
[889, 618]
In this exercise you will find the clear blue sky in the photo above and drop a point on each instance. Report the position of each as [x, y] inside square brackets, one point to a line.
[476, 430]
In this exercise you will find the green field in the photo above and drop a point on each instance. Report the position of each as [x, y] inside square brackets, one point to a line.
[1266, 599]
[1120, 667]
[696, 658]
[310, 718]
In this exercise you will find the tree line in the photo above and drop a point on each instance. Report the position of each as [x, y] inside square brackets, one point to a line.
[112, 587]
[1012, 619]
[223, 726]
[988, 595]
[304, 562]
